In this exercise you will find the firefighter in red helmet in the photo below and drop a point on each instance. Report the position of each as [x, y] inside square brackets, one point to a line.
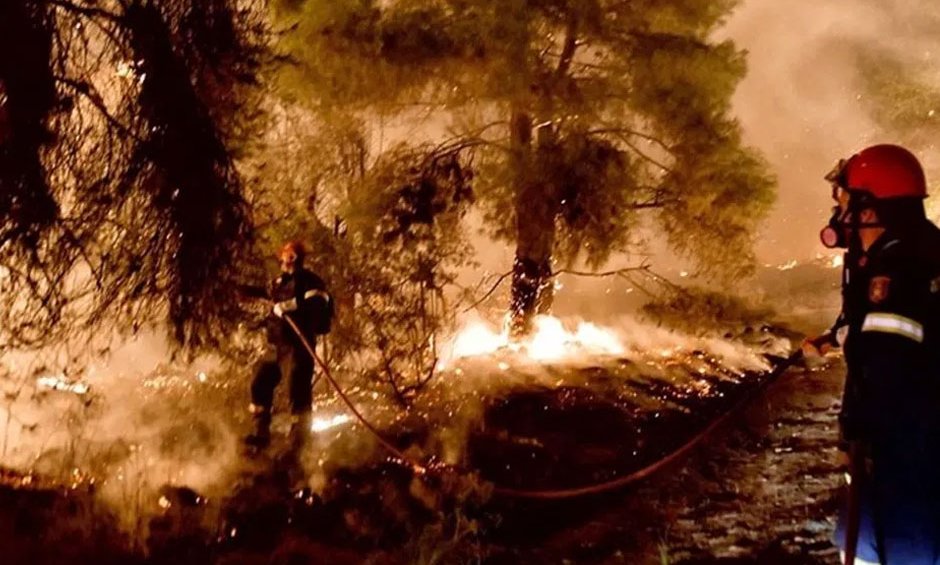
[301, 295]
[889, 329]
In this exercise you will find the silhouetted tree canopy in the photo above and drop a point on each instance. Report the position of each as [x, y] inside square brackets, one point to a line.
[28, 100]
[134, 208]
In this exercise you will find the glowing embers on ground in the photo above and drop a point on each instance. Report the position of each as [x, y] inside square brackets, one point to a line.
[63, 384]
[550, 341]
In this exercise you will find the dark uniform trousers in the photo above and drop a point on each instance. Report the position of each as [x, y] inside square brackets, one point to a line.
[300, 370]
[892, 398]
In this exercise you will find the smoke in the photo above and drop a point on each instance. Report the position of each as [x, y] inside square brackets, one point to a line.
[126, 424]
[803, 103]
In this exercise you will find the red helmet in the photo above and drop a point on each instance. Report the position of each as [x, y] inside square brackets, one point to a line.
[883, 171]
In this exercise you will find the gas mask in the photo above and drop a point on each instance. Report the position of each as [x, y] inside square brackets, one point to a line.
[834, 235]
[844, 226]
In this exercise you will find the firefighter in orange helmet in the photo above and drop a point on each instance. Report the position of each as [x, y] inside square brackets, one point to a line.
[301, 295]
[890, 331]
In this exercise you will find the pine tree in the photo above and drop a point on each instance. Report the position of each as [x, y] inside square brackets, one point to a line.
[582, 114]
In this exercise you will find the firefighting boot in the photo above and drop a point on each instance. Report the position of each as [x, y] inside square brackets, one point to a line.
[261, 437]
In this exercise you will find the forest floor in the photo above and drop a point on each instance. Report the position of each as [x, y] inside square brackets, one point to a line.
[762, 489]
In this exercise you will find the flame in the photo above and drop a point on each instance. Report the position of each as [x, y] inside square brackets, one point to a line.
[550, 340]
[831, 261]
[477, 338]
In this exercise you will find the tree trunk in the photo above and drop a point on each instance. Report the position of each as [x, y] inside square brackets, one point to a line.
[535, 207]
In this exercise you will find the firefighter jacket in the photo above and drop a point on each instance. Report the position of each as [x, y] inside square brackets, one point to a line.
[302, 296]
[891, 326]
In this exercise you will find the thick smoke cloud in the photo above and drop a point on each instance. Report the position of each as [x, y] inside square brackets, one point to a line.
[804, 104]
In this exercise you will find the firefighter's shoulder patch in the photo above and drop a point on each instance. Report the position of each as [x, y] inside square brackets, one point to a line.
[935, 286]
[878, 289]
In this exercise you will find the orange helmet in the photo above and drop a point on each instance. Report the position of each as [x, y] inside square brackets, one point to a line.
[882, 171]
[295, 248]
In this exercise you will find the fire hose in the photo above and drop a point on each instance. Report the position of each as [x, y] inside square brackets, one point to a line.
[418, 468]
[567, 493]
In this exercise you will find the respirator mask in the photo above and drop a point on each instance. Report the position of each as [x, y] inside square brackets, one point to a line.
[834, 235]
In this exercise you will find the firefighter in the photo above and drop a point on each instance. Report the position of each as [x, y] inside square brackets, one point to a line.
[889, 330]
[301, 295]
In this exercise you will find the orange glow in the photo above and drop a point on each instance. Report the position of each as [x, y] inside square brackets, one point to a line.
[551, 340]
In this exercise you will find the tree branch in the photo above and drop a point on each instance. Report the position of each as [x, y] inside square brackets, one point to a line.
[568, 51]
[87, 11]
[88, 92]
[627, 131]
[489, 293]
[626, 141]
[643, 267]
[656, 203]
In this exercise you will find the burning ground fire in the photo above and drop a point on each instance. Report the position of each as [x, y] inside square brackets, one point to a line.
[559, 341]
[550, 341]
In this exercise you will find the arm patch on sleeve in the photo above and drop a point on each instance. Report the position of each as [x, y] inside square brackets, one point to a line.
[878, 289]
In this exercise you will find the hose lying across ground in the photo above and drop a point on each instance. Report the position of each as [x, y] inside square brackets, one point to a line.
[569, 493]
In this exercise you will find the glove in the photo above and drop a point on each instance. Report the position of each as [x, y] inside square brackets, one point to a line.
[286, 306]
[819, 345]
